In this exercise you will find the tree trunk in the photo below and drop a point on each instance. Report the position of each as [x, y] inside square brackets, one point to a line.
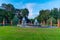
[11, 22]
[19, 22]
[3, 22]
[51, 23]
[58, 23]
[43, 22]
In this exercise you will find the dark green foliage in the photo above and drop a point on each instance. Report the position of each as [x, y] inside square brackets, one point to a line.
[15, 20]
[53, 20]
[32, 20]
[25, 12]
[54, 13]
[10, 11]
[45, 15]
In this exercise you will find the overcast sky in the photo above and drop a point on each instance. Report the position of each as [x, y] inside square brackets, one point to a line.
[34, 6]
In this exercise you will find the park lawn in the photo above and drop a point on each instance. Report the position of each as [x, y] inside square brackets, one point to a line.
[17, 33]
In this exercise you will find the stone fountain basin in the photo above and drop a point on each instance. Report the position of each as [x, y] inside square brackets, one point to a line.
[36, 26]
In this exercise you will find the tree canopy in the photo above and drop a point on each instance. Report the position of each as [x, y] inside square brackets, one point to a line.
[10, 11]
[45, 15]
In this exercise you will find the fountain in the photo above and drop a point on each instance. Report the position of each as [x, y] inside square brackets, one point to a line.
[23, 22]
[36, 22]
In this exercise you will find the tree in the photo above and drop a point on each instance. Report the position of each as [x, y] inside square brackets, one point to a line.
[54, 13]
[43, 15]
[51, 20]
[8, 7]
[19, 15]
[15, 20]
[58, 18]
[9, 11]
[25, 12]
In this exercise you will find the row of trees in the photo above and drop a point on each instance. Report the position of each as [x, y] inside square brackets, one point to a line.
[8, 12]
[49, 16]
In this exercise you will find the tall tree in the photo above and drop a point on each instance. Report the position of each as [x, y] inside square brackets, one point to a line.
[10, 10]
[58, 18]
[43, 15]
[25, 12]
[54, 13]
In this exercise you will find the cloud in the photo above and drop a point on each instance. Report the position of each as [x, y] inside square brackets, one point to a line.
[30, 7]
[34, 8]
[50, 5]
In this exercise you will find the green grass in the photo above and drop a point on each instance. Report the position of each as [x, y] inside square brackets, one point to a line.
[17, 33]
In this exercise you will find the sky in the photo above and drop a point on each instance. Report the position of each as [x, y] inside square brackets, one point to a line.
[34, 6]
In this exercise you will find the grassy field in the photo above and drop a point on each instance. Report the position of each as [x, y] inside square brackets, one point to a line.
[17, 33]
